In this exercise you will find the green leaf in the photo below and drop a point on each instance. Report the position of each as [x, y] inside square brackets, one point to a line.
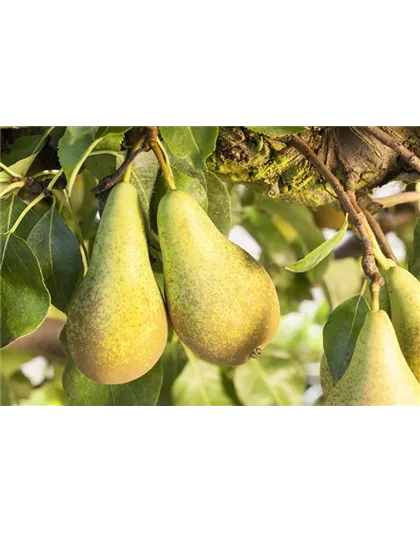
[313, 258]
[144, 176]
[24, 298]
[193, 143]
[73, 149]
[111, 141]
[190, 185]
[84, 205]
[297, 225]
[81, 390]
[77, 143]
[341, 332]
[200, 383]
[58, 253]
[414, 260]
[186, 168]
[101, 165]
[219, 206]
[24, 151]
[270, 380]
[173, 360]
[10, 209]
[276, 131]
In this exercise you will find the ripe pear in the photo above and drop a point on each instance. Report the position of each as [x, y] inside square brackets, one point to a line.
[117, 326]
[377, 374]
[404, 296]
[222, 303]
[326, 378]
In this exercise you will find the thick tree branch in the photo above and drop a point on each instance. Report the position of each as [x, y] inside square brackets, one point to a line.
[396, 145]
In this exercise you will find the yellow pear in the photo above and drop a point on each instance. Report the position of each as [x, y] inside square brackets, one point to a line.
[404, 296]
[117, 326]
[222, 303]
[377, 374]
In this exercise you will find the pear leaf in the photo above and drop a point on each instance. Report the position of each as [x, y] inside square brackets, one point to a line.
[313, 258]
[193, 143]
[173, 360]
[58, 253]
[199, 383]
[24, 151]
[77, 143]
[10, 209]
[341, 332]
[219, 203]
[192, 186]
[24, 298]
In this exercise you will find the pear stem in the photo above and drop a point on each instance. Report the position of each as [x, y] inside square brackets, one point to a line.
[135, 149]
[374, 291]
[157, 148]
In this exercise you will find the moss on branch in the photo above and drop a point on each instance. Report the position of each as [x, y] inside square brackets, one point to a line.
[280, 171]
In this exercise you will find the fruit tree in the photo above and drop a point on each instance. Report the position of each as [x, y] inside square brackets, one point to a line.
[228, 266]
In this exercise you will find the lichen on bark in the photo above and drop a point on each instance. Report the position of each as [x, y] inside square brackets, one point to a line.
[280, 171]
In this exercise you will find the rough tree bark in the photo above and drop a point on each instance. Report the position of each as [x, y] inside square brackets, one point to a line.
[279, 171]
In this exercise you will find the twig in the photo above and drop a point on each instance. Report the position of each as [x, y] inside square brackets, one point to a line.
[394, 144]
[379, 234]
[356, 218]
[109, 181]
[143, 143]
[397, 199]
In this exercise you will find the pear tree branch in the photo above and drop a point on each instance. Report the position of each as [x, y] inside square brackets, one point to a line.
[394, 144]
[124, 169]
[356, 216]
[379, 234]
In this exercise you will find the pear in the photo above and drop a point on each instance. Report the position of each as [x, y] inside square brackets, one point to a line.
[404, 296]
[326, 378]
[222, 303]
[377, 374]
[117, 326]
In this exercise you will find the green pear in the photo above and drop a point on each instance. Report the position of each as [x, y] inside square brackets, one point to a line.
[222, 303]
[404, 296]
[326, 378]
[377, 374]
[117, 326]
